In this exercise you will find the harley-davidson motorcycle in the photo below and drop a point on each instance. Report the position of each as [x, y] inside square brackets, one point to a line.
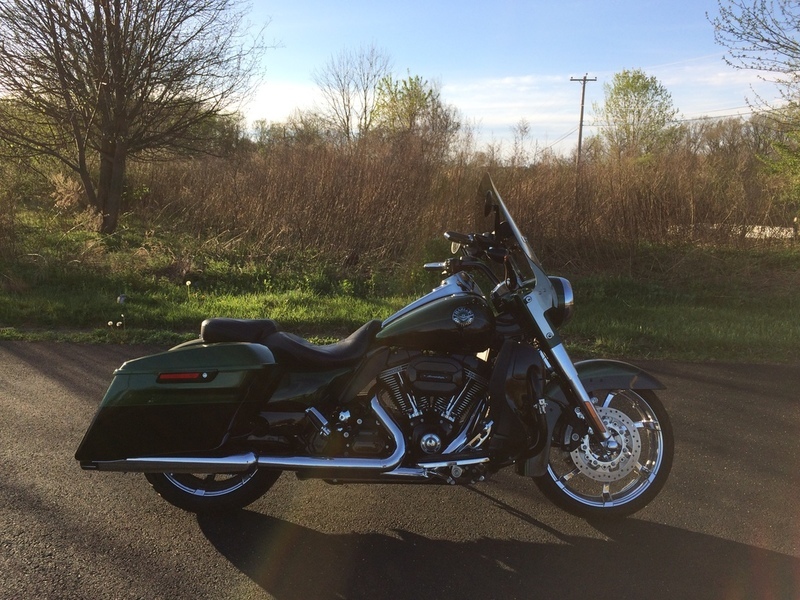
[448, 390]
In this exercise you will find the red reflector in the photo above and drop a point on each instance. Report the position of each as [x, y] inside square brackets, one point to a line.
[183, 377]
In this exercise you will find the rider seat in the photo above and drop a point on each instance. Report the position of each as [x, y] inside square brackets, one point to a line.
[291, 349]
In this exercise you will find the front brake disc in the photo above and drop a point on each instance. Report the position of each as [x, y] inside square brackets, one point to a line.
[601, 464]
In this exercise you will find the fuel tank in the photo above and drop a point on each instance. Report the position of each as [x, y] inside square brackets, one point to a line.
[454, 317]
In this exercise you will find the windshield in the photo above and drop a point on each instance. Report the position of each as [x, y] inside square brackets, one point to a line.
[494, 216]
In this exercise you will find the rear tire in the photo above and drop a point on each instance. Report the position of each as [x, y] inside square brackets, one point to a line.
[594, 483]
[201, 493]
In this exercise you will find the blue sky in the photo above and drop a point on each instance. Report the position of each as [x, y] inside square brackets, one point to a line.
[503, 61]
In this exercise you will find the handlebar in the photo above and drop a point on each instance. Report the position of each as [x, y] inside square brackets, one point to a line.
[454, 265]
[458, 238]
[480, 241]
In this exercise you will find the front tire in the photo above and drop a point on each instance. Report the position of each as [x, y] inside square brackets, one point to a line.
[200, 493]
[590, 481]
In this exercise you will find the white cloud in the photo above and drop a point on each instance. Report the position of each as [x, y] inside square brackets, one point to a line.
[275, 101]
[549, 103]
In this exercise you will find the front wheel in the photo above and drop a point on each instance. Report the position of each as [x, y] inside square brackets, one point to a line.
[212, 492]
[591, 481]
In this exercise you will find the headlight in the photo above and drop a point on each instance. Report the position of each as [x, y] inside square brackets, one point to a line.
[562, 312]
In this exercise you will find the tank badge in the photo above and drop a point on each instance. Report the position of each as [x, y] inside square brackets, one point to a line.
[463, 317]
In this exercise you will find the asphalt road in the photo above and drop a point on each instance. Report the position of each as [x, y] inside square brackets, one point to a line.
[727, 525]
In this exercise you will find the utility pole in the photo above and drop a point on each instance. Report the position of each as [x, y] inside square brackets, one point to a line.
[582, 202]
[583, 81]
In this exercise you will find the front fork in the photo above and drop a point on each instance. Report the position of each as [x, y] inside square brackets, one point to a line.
[537, 303]
[561, 363]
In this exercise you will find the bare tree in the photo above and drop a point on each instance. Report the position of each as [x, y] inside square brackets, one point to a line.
[94, 83]
[519, 153]
[348, 83]
[762, 35]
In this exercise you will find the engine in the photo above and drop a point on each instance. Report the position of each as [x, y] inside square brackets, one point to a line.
[436, 399]
[439, 401]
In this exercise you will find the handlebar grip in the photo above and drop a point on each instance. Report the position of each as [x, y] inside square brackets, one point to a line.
[458, 238]
[436, 266]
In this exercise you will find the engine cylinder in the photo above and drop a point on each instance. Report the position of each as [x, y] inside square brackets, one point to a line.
[436, 395]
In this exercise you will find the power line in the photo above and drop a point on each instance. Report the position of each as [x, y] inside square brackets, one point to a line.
[561, 139]
[708, 117]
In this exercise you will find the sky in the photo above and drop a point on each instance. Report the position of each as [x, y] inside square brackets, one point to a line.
[498, 62]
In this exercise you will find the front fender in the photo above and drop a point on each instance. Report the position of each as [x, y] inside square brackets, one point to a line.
[604, 374]
[595, 374]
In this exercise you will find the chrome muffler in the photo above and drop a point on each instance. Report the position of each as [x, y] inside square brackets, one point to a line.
[241, 463]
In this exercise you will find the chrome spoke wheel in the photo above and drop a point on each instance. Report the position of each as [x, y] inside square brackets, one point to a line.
[211, 485]
[198, 492]
[591, 479]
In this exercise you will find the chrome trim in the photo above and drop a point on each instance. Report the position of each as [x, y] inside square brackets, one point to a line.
[481, 437]
[238, 463]
[299, 463]
[565, 304]
[427, 470]
[464, 462]
[567, 370]
[462, 440]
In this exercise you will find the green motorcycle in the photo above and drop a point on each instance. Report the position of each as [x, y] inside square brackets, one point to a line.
[448, 390]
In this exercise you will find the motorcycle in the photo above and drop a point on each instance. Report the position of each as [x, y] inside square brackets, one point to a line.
[450, 389]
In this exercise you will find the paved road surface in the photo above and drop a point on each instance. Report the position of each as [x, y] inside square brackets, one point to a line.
[727, 525]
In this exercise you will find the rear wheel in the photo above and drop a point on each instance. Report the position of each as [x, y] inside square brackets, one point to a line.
[212, 492]
[591, 481]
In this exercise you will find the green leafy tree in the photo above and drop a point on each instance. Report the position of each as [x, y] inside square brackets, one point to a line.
[637, 114]
[406, 104]
[413, 106]
[95, 83]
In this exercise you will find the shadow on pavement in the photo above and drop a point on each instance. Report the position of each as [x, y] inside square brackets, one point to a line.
[638, 559]
[83, 369]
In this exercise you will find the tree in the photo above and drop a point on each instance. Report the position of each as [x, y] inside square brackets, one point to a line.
[413, 106]
[762, 35]
[519, 151]
[636, 115]
[95, 83]
[348, 83]
[404, 105]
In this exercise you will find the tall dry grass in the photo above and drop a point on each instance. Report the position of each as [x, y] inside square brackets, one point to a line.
[374, 201]
[380, 201]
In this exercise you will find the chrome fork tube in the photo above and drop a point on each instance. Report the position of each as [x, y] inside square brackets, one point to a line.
[537, 303]
[566, 370]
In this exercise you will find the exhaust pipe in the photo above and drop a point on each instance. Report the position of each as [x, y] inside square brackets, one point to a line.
[240, 463]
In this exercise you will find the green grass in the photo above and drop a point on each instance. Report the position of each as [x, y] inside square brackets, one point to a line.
[86, 306]
[169, 318]
[688, 327]
[61, 282]
[701, 304]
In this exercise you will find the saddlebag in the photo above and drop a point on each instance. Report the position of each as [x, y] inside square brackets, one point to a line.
[188, 400]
